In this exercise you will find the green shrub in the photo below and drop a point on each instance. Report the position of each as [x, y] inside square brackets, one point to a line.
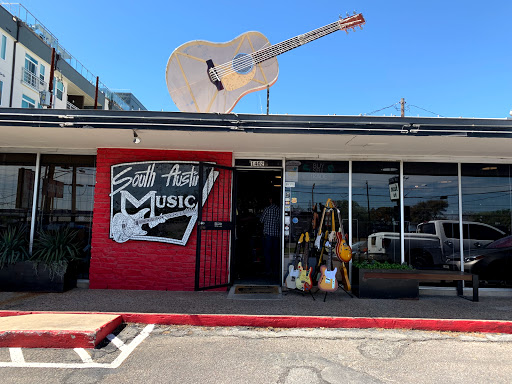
[373, 264]
[13, 245]
[55, 249]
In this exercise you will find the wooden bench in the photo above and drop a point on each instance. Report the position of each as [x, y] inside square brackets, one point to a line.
[429, 275]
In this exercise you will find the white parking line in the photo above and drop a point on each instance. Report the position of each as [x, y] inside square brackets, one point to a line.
[117, 342]
[130, 347]
[18, 361]
[84, 355]
[16, 355]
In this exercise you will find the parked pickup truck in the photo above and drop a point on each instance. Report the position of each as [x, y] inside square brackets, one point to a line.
[432, 243]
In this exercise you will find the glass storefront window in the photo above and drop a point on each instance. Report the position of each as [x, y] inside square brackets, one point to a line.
[487, 208]
[431, 212]
[308, 185]
[66, 198]
[17, 175]
[375, 210]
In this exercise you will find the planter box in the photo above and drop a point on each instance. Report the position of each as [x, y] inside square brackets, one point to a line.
[375, 288]
[23, 277]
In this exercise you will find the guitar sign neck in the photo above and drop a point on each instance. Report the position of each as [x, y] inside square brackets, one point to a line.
[165, 217]
[274, 50]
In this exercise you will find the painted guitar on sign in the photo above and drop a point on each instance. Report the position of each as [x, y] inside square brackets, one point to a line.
[126, 227]
[212, 77]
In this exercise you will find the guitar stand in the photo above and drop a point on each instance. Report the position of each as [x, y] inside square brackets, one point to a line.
[347, 292]
[300, 291]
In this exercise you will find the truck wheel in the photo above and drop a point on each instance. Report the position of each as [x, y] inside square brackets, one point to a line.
[421, 259]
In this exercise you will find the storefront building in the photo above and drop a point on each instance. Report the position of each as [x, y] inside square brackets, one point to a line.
[172, 201]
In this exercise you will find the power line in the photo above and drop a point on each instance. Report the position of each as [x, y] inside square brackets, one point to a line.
[426, 110]
[378, 110]
[402, 108]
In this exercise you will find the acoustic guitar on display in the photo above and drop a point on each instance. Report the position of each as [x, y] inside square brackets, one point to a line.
[212, 77]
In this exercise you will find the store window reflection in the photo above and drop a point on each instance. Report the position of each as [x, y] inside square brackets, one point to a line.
[17, 175]
[66, 198]
[308, 186]
[487, 204]
[431, 212]
[375, 210]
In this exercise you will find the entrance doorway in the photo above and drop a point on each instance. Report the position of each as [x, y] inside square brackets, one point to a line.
[253, 190]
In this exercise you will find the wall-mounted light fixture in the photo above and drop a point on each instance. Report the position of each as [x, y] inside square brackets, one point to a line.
[136, 138]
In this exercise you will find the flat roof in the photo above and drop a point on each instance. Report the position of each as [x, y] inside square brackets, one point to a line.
[285, 135]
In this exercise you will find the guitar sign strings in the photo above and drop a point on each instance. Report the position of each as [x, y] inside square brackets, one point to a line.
[243, 61]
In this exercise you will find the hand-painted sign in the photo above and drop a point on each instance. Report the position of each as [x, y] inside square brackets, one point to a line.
[168, 192]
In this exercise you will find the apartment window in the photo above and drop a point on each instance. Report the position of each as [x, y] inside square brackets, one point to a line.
[41, 73]
[4, 46]
[59, 90]
[30, 64]
[27, 102]
[1, 91]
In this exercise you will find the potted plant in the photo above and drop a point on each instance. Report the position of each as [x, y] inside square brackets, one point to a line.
[13, 245]
[53, 255]
[13, 256]
[367, 284]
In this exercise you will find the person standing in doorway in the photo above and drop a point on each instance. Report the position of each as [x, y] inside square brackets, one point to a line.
[271, 219]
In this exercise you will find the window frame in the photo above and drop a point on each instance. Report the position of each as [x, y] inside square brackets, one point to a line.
[3, 48]
[29, 101]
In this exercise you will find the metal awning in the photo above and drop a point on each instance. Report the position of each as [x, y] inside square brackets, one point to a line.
[350, 137]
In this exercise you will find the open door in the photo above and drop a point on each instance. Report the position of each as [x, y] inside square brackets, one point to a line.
[253, 189]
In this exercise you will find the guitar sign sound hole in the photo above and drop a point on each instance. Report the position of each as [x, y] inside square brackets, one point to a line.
[243, 63]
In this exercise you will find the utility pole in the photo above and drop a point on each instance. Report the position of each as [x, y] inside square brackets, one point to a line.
[268, 98]
[52, 77]
[402, 107]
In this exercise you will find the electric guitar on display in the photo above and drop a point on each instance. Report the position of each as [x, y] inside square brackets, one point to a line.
[298, 248]
[125, 227]
[212, 77]
[305, 274]
[328, 281]
[342, 249]
[290, 280]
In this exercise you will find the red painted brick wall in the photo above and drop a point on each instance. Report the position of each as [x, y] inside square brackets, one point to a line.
[135, 264]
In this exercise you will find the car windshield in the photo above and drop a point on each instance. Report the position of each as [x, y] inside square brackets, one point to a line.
[504, 242]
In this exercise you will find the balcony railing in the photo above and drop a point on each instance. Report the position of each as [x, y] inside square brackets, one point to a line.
[32, 80]
[40, 30]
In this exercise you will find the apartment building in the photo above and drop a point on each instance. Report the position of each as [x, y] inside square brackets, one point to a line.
[29, 80]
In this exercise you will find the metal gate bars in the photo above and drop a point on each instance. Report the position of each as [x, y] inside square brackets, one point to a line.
[215, 229]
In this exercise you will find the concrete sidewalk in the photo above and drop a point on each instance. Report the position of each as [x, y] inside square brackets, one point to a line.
[435, 310]
[442, 305]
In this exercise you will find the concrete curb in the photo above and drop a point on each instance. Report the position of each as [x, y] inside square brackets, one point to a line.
[56, 330]
[212, 320]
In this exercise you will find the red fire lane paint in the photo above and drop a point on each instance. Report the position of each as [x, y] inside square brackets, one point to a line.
[276, 321]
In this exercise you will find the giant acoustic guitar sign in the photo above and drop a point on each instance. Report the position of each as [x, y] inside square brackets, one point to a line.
[157, 200]
[212, 77]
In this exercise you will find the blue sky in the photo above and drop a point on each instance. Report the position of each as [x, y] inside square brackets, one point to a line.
[448, 58]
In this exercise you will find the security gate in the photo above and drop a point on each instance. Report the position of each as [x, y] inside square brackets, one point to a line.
[216, 227]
